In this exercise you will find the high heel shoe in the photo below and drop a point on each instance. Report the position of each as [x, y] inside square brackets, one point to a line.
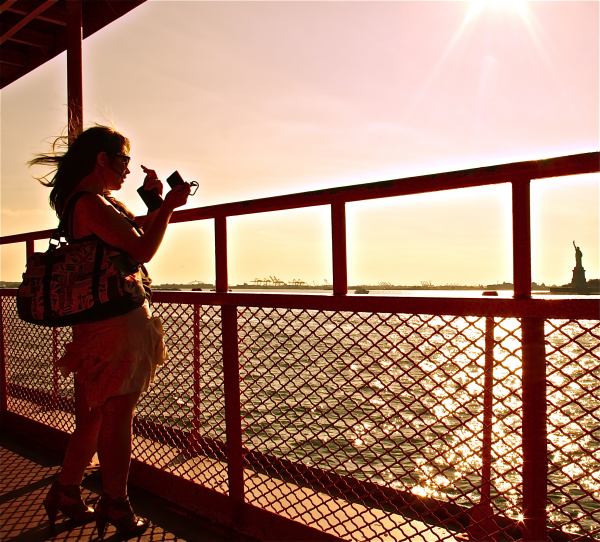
[66, 499]
[119, 513]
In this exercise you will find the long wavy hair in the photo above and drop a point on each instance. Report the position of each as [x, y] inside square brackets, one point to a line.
[72, 163]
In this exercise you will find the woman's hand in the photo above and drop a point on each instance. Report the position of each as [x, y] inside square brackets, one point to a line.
[177, 196]
[151, 181]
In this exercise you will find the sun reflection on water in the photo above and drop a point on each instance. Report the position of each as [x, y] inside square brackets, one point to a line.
[402, 400]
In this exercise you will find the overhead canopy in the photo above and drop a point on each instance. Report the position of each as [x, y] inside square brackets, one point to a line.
[32, 32]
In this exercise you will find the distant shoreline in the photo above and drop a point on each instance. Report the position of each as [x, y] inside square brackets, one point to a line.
[205, 287]
[327, 287]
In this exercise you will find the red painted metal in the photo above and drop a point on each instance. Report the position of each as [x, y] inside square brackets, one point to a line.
[486, 470]
[74, 68]
[221, 280]
[197, 383]
[338, 245]
[233, 414]
[535, 169]
[535, 452]
[543, 308]
[55, 372]
[29, 247]
[517, 308]
[3, 371]
[33, 32]
[521, 239]
[36, 12]
[482, 522]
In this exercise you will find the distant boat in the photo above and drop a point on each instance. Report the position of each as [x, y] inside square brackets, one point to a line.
[361, 290]
[490, 293]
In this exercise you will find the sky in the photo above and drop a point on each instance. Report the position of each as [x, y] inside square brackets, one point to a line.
[256, 99]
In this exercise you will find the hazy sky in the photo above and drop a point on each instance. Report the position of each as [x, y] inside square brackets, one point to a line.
[265, 98]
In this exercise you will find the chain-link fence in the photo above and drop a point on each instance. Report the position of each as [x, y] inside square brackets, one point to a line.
[364, 425]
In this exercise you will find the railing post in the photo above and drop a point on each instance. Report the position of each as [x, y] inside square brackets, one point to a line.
[221, 279]
[3, 375]
[231, 375]
[338, 246]
[482, 524]
[235, 467]
[29, 247]
[55, 387]
[196, 369]
[74, 68]
[521, 221]
[488, 396]
[535, 453]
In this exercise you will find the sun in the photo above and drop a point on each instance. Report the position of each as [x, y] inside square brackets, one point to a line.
[516, 7]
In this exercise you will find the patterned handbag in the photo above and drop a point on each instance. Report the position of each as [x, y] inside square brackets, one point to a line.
[79, 281]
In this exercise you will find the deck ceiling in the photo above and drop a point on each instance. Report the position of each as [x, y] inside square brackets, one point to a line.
[33, 32]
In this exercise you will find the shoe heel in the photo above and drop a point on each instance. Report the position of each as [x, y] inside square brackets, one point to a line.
[51, 512]
[118, 512]
[101, 527]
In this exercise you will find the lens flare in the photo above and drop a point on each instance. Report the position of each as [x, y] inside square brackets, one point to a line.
[518, 7]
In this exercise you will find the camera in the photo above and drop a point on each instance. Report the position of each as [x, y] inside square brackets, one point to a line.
[151, 197]
[175, 179]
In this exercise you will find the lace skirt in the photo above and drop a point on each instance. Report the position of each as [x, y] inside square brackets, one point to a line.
[117, 356]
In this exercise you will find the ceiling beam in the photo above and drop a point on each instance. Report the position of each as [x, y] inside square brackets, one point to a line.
[33, 38]
[5, 5]
[26, 20]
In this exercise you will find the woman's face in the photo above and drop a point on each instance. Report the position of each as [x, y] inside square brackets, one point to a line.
[118, 170]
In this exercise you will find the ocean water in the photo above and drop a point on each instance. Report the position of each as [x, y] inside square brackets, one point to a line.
[397, 400]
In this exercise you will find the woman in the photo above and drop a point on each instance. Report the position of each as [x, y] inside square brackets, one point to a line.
[113, 360]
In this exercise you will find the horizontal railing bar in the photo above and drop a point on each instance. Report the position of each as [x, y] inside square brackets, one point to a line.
[29, 236]
[468, 178]
[566, 308]
[192, 444]
[575, 164]
[509, 308]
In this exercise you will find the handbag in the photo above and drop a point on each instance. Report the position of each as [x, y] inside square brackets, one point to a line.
[79, 281]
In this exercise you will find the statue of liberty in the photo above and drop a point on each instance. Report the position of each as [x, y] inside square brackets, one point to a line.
[578, 256]
[578, 282]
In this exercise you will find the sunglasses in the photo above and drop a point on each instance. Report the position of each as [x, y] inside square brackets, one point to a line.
[124, 158]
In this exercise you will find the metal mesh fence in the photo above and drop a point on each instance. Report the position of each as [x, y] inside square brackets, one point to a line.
[390, 400]
[369, 426]
[573, 376]
[181, 419]
[36, 388]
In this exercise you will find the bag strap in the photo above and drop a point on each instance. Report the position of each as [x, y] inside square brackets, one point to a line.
[65, 226]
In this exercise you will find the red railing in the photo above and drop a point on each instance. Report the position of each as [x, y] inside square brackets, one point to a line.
[359, 418]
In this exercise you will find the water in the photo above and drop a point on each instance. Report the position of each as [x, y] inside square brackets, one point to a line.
[398, 400]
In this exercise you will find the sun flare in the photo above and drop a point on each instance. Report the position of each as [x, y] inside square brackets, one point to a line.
[517, 7]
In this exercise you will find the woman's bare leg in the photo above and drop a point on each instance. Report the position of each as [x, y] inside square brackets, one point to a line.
[114, 443]
[83, 442]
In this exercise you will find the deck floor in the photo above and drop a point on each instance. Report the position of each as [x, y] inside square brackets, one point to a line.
[26, 475]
